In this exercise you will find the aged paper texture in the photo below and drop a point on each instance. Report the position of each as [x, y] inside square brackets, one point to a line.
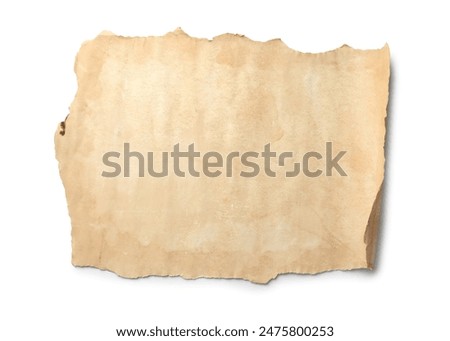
[230, 94]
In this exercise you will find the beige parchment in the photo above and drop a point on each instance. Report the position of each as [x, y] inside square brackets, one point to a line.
[226, 94]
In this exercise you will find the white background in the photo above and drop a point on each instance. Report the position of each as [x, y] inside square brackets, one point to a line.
[44, 297]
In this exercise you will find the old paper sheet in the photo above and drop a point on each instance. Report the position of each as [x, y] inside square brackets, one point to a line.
[227, 95]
